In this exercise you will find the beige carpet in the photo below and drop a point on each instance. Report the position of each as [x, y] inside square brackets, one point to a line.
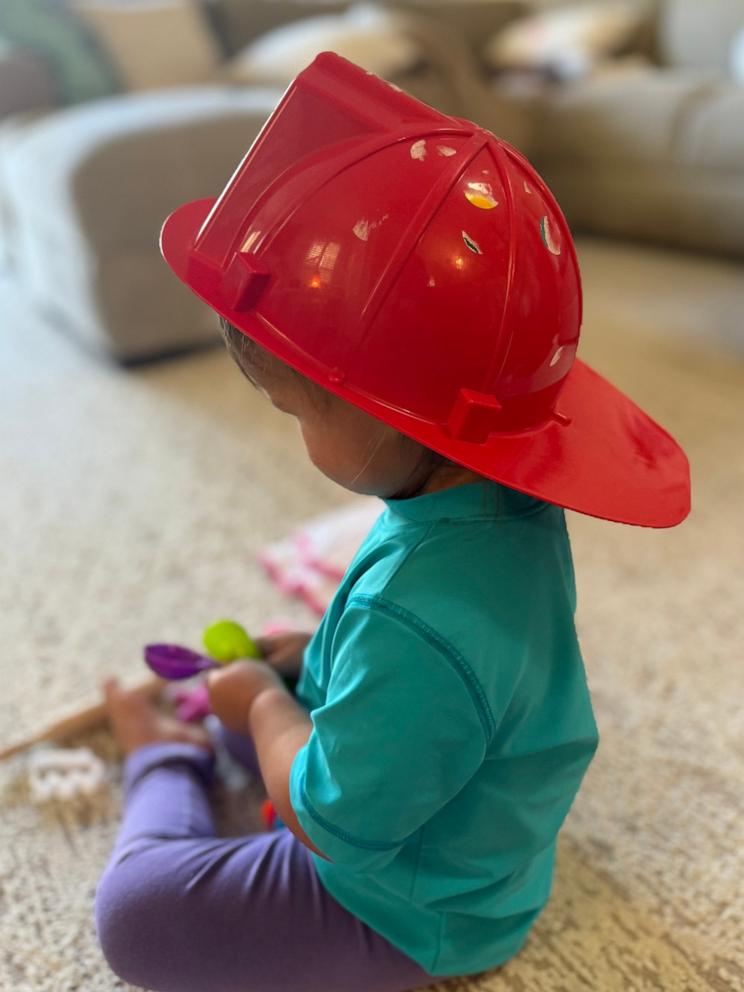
[133, 506]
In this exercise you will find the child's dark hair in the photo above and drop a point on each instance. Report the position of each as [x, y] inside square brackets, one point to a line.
[250, 356]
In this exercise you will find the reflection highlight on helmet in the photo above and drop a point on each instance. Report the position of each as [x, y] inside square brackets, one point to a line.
[320, 260]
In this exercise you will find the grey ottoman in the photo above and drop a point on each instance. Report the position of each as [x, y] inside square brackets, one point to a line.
[88, 188]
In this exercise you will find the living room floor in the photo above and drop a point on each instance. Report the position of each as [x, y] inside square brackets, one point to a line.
[136, 501]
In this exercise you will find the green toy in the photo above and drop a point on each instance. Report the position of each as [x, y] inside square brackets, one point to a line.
[226, 640]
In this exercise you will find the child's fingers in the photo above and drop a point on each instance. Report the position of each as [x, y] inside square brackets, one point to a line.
[282, 643]
[264, 644]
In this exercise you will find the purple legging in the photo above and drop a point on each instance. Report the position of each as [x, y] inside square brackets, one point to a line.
[178, 909]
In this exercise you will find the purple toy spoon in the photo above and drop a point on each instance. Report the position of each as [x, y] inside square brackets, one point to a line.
[171, 661]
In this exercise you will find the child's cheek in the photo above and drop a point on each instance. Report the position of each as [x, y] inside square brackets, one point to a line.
[313, 442]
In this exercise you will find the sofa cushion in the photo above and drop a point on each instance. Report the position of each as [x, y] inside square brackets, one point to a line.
[474, 21]
[239, 22]
[566, 40]
[652, 154]
[154, 44]
[365, 34]
[698, 33]
[713, 133]
[638, 115]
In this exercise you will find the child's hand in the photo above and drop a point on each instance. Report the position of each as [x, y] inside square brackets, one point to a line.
[136, 720]
[233, 687]
[284, 651]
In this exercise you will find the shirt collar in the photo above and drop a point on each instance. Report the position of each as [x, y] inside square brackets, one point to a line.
[485, 498]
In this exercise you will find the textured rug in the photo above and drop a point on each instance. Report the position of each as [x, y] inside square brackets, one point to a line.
[135, 503]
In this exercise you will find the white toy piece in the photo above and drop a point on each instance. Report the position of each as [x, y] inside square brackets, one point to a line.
[64, 773]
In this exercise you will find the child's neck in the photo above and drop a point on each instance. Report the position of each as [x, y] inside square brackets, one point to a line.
[444, 478]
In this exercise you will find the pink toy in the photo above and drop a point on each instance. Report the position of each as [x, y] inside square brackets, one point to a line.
[311, 562]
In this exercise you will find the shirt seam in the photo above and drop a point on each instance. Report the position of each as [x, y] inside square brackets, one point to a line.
[428, 527]
[414, 873]
[451, 654]
[438, 954]
[498, 517]
[369, 845]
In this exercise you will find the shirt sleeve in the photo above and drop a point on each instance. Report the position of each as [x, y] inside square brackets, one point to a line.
[398, 736]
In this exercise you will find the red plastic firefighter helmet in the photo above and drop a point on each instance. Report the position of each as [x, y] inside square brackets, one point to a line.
[418, 267]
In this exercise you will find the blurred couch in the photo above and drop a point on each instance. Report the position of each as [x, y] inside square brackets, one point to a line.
[652, 151]
[85, 188]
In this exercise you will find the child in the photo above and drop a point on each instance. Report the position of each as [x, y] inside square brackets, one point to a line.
[404, 285]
